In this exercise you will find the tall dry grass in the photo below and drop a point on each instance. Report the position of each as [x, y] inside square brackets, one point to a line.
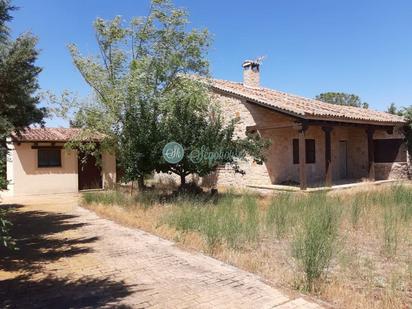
[231, 221]
[344, 247]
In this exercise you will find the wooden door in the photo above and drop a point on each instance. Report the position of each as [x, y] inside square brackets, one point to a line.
[343, 159]
[90, 175]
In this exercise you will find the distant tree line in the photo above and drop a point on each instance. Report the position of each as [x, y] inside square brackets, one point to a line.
[341, 98]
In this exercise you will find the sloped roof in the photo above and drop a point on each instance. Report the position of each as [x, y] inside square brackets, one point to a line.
[54, 135]
[303, 107]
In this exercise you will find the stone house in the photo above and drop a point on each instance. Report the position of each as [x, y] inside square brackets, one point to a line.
[312, 143]
[38, 163]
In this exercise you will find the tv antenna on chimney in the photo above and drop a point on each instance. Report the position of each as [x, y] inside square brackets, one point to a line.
[259, 60]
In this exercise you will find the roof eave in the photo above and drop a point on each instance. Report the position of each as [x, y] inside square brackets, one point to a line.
[355, 121]
[53, 141]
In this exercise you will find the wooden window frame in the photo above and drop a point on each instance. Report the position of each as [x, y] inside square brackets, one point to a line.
[310, 155]
[49, 165]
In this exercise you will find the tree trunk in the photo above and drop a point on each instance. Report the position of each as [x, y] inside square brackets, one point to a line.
[182, 180]
[140, 183]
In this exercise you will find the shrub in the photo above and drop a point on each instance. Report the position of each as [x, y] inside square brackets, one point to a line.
[277, 214]
[315, 239]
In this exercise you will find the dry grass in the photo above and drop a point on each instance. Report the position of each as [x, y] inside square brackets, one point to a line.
[371, 262]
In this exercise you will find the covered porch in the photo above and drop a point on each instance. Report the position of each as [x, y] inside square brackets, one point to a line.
[320, 154]
[346, 156]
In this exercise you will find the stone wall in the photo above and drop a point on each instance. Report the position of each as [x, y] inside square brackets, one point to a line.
[397, 170]
[248, 115]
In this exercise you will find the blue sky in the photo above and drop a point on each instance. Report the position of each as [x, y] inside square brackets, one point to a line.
[361, 47]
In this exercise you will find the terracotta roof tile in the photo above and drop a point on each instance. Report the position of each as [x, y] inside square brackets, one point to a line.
[304, 107]
[52, 135]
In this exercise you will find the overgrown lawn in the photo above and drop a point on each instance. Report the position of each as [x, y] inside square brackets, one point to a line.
[351, 248]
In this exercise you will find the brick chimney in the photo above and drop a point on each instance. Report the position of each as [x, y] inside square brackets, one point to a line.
[251, 75]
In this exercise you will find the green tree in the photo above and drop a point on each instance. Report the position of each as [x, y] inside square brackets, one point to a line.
[137, 65]
[406, 112]
[18, 84]
[341, 98]
[192, 119]
[394, 110]
[18, 78]
[137, 80]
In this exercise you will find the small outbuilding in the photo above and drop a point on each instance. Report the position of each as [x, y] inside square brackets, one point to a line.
[39, 163]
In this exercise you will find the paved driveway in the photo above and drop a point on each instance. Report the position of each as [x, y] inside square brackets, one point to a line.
[70, 258]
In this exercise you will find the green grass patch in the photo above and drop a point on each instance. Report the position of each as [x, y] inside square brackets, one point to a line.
[107, 198]
[232, 220]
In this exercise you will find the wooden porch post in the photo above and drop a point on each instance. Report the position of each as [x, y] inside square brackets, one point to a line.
[371, 154]
[302, 157]
[328, 156]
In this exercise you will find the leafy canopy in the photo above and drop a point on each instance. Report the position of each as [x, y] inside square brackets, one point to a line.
[18, 83]
[18, 78]
[194, 120]
[18, 99]
[138, 63]
[406, 112]
[341, 98]
[142, 93]
[393, 109]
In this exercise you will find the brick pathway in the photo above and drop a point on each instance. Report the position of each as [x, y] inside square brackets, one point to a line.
[70, 258]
